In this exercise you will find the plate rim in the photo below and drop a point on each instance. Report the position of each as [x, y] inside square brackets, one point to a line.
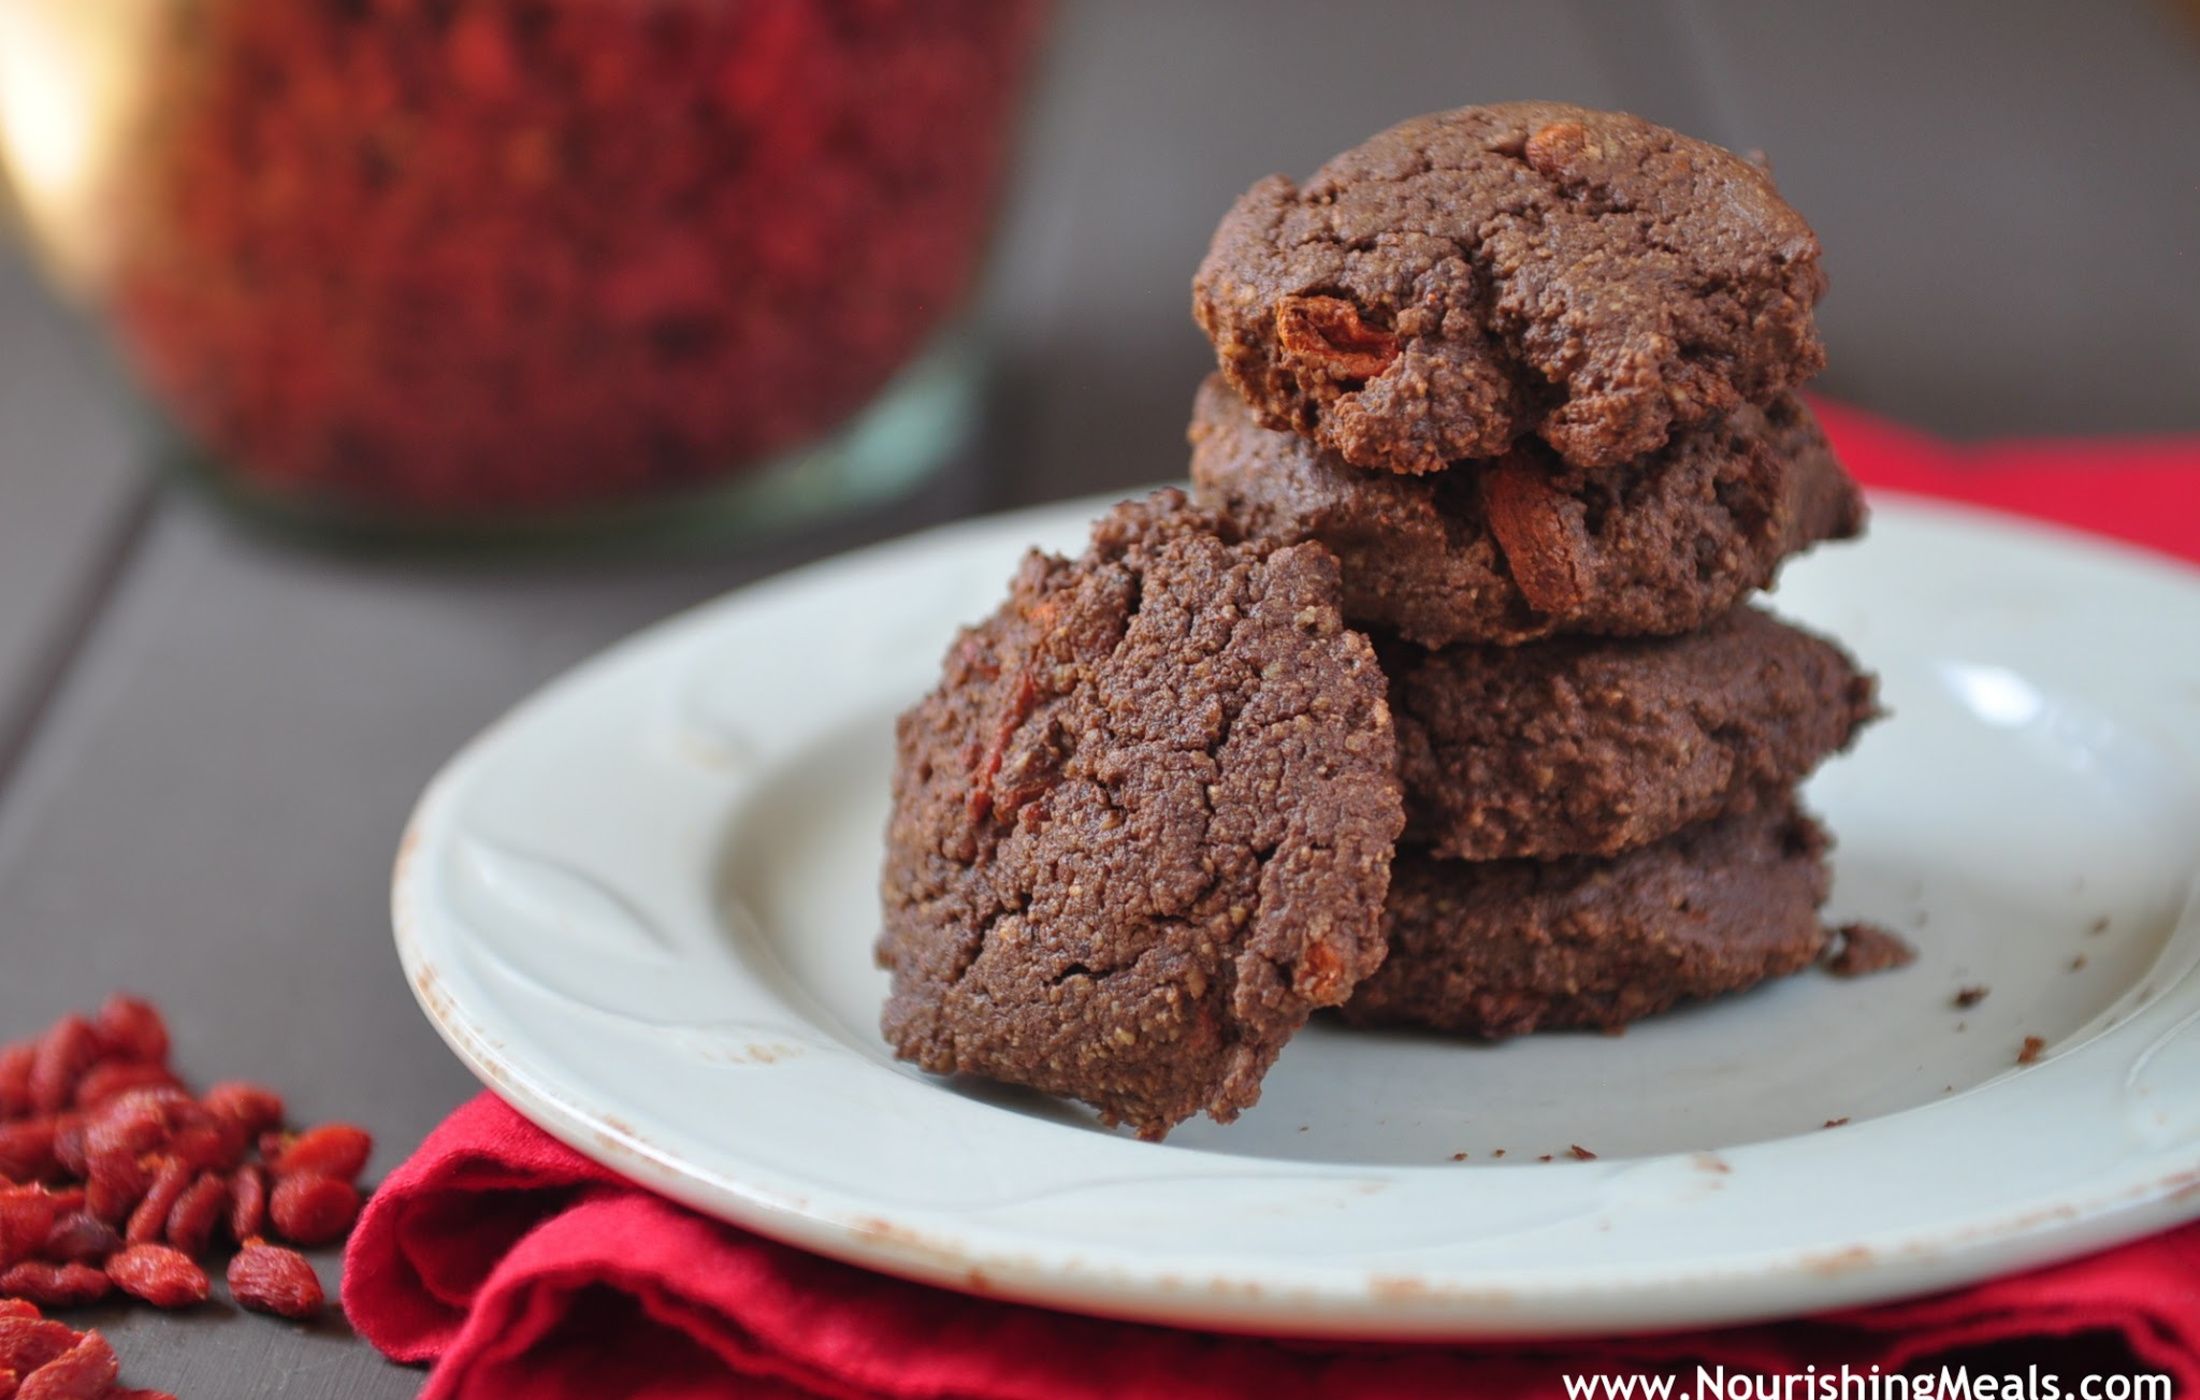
[1440, 1309]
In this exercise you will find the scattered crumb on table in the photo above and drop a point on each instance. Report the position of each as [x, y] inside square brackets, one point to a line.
[1836, 1123]
[1867, 948]
[2031, 1051]
[1459, 1156]
[1498, 1153]
[1968, 997]
[1544, 1158]
[2097, 927]
[2077, 964]
[1580, 1153]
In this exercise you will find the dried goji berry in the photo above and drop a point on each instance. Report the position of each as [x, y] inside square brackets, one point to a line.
[117, 1182]
[149, 1222]
[199, 1212]
[64, 1053]
[15, 1080]
[66, 1198]
[79, 1237]
[115, 1077]
[270, 1279]
[87, 1372]
[131, 1028]
[26, 1150]
[27, 1343]
[173, 1098]
[254, 1108]
[207, 1142]
[312, 1210]
[54, 1285]
[1542, 549]
[1328, 331]
[159, 1275]
[336, 1150]
[69, 1153]
[247, 1202]
[129, 1125]
[115, 1189]
[16, 1307]
[26, 1218]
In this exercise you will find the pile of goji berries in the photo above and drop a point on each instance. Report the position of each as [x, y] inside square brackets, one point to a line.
[116, 1178]
[440, 259]
[41, 1359]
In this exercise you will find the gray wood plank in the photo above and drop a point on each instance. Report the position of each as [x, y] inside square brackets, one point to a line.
[75, 482]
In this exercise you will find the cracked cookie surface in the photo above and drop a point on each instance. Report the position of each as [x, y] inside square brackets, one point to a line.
[1595, 746]
[1519, 549]
[1470, 278]
[1143, 827]
[1503, 948]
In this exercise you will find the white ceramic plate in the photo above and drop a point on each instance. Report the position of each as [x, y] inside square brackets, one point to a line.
[642, 906]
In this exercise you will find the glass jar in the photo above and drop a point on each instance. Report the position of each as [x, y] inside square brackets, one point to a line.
[515, 264]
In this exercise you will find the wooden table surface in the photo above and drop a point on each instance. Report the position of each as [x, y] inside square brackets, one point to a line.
[208, 741]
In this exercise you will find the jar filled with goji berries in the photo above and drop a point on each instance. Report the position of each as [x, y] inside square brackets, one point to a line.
[463, 265]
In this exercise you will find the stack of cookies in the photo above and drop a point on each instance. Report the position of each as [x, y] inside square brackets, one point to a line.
[1442, 702]
[1527, 371]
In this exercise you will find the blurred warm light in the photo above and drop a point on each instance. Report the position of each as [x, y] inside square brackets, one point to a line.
[69, 74]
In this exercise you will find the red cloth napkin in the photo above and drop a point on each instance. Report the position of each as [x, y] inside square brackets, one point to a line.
[524, 1270]
[2146, 490]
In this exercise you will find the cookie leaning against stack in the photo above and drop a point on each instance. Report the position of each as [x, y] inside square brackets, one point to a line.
[1507, 388]
[1526, 370]
[1143, 828]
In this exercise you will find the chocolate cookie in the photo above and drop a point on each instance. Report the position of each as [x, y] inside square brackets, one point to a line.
[1587, 747]
[1520, 548]
[1144, 826]
[1530, 269]
[1508, 947]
